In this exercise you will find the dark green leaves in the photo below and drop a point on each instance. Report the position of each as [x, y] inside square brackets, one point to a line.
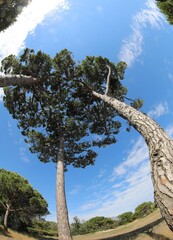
[18, 193]
[60, 104]
[9, 10]
[166, 7]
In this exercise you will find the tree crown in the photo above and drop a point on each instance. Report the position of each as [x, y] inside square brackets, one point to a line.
[59, 105]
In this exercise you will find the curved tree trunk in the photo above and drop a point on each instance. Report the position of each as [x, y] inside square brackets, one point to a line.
[160, 150]
[5, 223]
[62, 213]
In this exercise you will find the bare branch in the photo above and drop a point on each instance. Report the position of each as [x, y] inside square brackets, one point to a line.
[13, 80]
[108, 80]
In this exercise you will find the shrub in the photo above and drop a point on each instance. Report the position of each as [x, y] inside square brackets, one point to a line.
[144, 209]
[125, 218]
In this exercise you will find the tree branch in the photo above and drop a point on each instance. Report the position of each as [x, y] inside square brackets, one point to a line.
[108, 80]
[13, 80]
[3, 205]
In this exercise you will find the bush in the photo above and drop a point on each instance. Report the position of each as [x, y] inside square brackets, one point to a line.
[92, 225]
[125, 218]
[144, 209]
[43, 227]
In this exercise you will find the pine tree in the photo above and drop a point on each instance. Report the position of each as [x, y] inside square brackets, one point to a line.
[55, 121]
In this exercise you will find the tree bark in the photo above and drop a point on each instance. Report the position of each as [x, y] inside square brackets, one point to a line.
[6, 218]
[62, 212]
[160, 152]
[10, 80]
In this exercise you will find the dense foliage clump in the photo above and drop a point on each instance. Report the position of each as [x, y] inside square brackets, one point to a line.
[9, 10]
[166, 7]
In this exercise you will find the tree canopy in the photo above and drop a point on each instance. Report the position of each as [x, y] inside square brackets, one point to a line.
[17, 197]
[57, 105]
[9, 10]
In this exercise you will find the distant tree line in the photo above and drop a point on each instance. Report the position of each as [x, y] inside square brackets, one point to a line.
[95, 224]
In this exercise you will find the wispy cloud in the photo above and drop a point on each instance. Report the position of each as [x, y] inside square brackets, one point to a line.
[136, 156]
[90, 205]
[23, 154]
[169, 130]
[118, 192]
[136, 187]
[132, 46]
[12, 40]
[75, 190]
[127, 186]
[159, 110]
[1, 94]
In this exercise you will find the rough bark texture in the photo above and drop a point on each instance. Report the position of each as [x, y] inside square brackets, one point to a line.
[160, 150]
[62, 213]
[10, 80]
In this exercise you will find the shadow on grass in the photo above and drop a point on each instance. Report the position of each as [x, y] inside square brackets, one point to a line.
[157, 236]
[131, 235]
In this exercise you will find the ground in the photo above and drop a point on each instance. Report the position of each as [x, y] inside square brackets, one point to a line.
[148, 228]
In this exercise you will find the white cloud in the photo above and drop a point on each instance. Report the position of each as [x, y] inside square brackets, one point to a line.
[159, 110]
[132, 46]
[130, 185]
[138, 188]
[90, 205]
[136, 156]
[12, 39]
[1, 94]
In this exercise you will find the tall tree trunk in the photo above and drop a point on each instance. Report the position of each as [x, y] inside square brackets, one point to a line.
[6, 218]
[160, 151]
[62, 213]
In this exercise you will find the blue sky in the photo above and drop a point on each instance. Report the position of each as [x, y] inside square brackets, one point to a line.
[136, 33]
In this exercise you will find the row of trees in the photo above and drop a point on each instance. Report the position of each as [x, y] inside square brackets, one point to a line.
[102, 223]
[19, 202]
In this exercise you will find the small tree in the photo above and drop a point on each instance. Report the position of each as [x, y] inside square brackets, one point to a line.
[17, 195]
[9, 10]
